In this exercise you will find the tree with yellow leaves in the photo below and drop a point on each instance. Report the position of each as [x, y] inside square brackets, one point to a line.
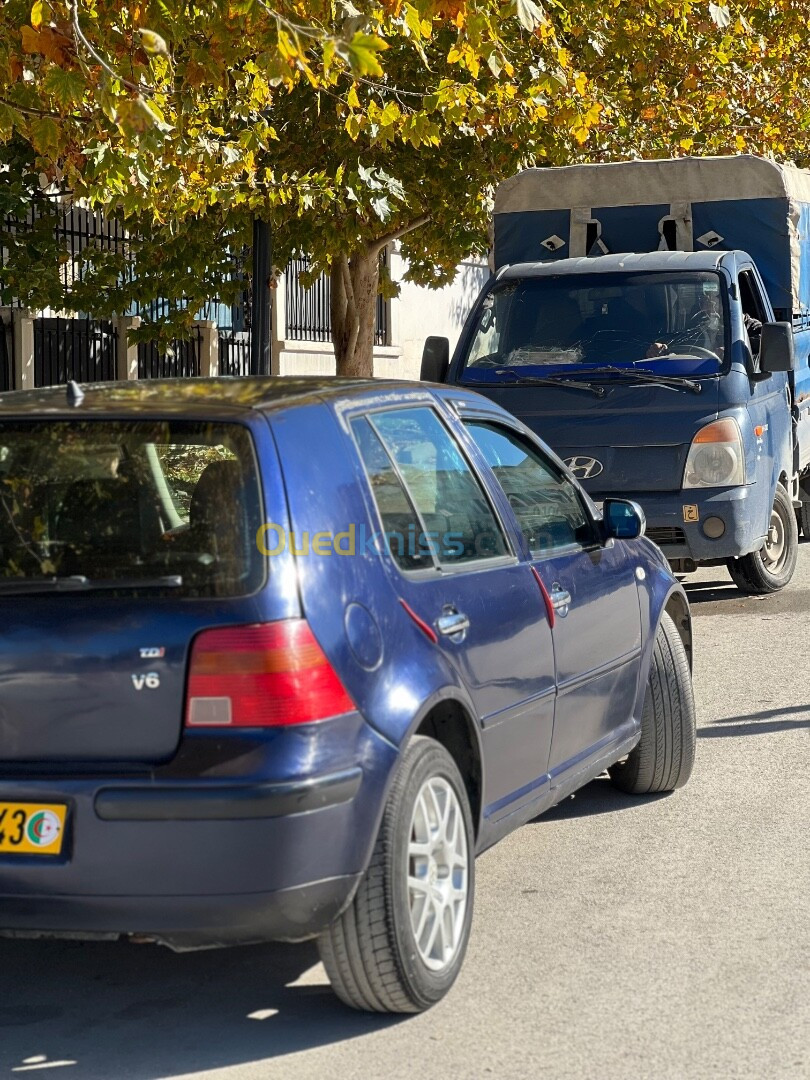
[347, 127]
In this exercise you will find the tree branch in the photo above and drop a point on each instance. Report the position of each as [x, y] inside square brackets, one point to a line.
[80, 39]
[374, 247]
[42, 112]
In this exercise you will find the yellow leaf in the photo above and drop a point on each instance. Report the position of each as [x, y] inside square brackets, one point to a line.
[686, 144]
[36, 15]
[352, 99]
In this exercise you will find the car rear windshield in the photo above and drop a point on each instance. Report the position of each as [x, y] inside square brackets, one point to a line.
[142, 506]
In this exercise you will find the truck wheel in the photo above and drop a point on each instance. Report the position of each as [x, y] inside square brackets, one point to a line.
[663, 758]
[400, 944]
[771, 568]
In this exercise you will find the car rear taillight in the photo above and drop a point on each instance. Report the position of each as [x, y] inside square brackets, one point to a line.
[262, 676]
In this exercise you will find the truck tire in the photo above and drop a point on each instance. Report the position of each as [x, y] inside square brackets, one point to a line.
[663, 758]
[771, 568]
[400, 944]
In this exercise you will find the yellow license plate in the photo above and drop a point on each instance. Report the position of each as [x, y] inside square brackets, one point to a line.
[31, 828]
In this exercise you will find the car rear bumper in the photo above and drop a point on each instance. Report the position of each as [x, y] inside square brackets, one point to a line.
[208, 859]
[677, 521]
[183, 922]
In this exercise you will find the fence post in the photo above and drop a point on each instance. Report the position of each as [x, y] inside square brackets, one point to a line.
[209, 348]
[126, 353]
[278, 322]
[23, 350]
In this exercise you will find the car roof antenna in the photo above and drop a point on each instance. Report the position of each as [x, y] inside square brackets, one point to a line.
[75, 394]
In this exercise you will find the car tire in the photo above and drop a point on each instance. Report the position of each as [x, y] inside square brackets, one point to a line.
[771, 568]
[663, 758]
[378, 953]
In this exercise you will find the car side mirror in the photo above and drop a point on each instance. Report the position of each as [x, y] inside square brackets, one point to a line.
[623, 519]
[435, 360]
[777, 350]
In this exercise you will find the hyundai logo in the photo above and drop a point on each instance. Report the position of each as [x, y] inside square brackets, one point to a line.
[584, 468]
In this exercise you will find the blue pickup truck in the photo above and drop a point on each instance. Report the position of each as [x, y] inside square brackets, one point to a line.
[651, 321]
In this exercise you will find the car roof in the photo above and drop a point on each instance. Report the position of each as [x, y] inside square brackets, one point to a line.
[222, 396]
[654, 262]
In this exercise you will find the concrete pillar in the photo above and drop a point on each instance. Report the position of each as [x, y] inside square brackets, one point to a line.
[126, 358]
[23, 350]
[209, 348]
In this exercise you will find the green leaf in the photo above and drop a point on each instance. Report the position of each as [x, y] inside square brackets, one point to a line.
[721, 16]
[361, 53]
[530, 14]
[381, 208]
[45, 136]
[8, 118]
[67, 87]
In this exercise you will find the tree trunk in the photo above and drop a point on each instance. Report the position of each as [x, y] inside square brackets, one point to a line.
[354, 283]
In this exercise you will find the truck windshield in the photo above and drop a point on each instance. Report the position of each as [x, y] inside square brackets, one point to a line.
[672, 323]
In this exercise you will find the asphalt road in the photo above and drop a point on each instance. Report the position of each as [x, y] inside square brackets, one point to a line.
[614, 937]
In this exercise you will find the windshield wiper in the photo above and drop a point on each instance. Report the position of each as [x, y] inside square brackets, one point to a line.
[644, 376]
[80, 583]
[561, 379]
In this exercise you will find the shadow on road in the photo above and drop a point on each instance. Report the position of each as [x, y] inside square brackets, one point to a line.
[702, 592]
[758, 723]
[139, 1012]
[598, 797]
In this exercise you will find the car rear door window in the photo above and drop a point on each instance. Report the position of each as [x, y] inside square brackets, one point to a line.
[549, 509]
[448, 505]
[129, 505]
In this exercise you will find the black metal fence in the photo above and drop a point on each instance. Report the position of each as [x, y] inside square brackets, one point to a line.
[80, 349]
[234, 352]
[308, 310]
[181, 359]
[84, 348]
[78, 231]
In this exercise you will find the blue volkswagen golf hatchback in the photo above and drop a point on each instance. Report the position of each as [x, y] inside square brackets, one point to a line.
[280, 657]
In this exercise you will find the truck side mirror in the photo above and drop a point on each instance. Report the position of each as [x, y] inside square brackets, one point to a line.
[435, 360]
[777, 350]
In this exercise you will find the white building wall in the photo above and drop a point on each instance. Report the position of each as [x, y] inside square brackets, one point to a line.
[421, 312]
[414, 315]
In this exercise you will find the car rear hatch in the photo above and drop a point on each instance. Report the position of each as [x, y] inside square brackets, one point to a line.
[119, 541]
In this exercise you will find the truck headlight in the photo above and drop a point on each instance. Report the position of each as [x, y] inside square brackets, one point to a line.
[716, 456]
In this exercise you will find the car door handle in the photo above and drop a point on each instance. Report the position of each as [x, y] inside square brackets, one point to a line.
[560, 599]
[452, 623]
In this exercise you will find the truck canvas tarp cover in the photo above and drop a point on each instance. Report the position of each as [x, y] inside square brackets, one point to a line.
[687, 204]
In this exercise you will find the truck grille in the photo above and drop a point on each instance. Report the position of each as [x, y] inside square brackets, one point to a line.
[668, 534]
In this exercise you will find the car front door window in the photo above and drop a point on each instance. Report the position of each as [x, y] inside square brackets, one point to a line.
[549, 509]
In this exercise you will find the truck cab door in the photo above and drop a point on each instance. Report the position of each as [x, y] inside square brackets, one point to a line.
[769, 406]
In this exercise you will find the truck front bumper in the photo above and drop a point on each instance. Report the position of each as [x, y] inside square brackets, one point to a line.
[704, 525]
